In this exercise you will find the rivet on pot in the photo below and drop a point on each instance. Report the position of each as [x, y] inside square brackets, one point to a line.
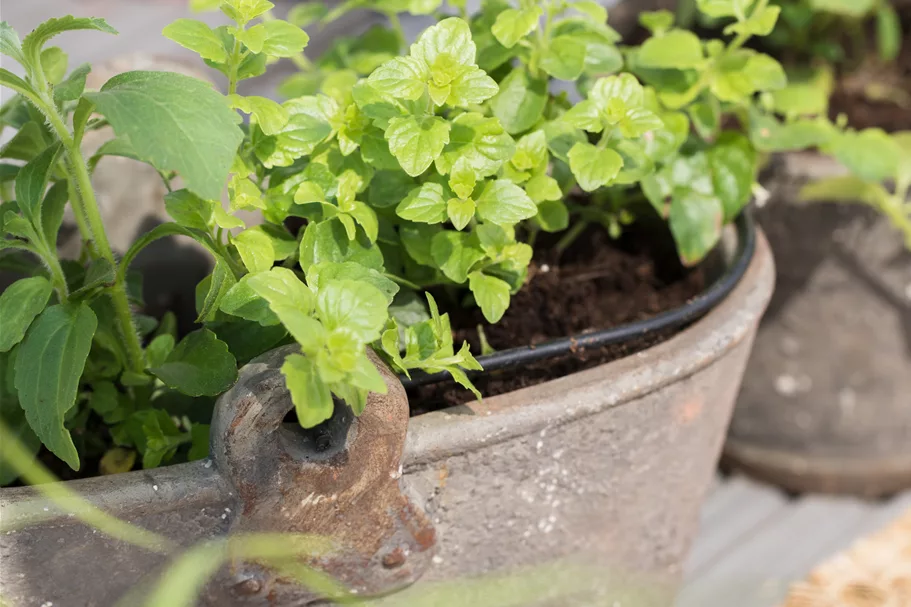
[248, 587]
[394, 559]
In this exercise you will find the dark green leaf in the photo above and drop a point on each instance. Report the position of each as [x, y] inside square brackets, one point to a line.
[35, 41]
[188, 209]
[20, 303]
[695, 221]
[200, 365]
[52, 212]
[520, 102]
[32, 182]
[48, 368]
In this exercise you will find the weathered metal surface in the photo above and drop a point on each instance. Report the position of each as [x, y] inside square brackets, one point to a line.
[590, 483]
[826, 403]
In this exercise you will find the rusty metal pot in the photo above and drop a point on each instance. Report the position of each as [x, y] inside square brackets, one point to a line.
[825, 403]
[586, 488]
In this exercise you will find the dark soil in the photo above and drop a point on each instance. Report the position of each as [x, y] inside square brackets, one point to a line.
[598, 284]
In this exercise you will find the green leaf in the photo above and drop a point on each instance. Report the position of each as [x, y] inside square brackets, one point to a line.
[450, 37]
[741, 74]
[677, 49]
[255, 249]
[54, 63]
[10, 80]
[327, 241]
[309, 393]
[530, 151]
[761, 23]
[564, 58]
[189, 210]
[49, 364]
[281, 287]
[200, 365]
[455, 253]
[520, 102]
[478, 145]
[20, 303]
[542, 188]
[100, 273]
[504, 203]
[460, 211]
[243, 301]
[326, 272]
[270, 115]
[158, 350]
[870, 154]
[514, 24]
[471, 87]
[35, 41]
[219, 283]
[199, 140]
[283, 39]
[198, 37]
[806, 94]
[657, 22]
[417, 142]
[303, 14]
[400, 78]
[31, 182]
[355, 306]
[424, 204]
[52, 210]
[594, 167]
[553, 216]
[695, 221]
[9, 43]
[492, 295]
[847, 8]
[732, 162]
[725, 8]
[72, 88]
[593, 10]
[888, 32]
[847, 188]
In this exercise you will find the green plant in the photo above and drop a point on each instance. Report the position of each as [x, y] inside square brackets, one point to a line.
[436, 168]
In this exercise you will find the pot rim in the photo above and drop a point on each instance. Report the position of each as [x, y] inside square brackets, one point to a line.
[439, 434]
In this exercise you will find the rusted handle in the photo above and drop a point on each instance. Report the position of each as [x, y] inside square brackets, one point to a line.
[340, 481]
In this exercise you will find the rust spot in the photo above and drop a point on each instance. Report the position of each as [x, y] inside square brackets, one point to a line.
[242, 408]
[394, 559]
[689, 411]
[443, 476]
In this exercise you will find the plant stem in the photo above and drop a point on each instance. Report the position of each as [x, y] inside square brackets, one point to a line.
[396, 24]
[235, 65]
[78, 212]
[570, 237]
[98, 235]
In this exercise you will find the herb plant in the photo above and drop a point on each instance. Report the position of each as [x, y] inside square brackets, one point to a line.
[434, 166]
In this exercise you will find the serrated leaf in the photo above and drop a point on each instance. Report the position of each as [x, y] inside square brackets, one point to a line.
[471, 87]
[520, 102]
[451, 37]
[677, 49]
[255, 250]
[198, 140]
[20, 303]
[355, 306]
[73, 87]
[460, 211]
[189, 210]
[49, 364]
[309, 393]
[594, 167]
[200, 365]
[243, 301]
[477, 144]
[514, 24]
[455, 253]
[491, 294]
[10, 44]
[504, 203]
[281, 287]
[33, 44]
[417, 142]
[327, 241]
[198, 37]
[270, 115]
[564, 58]
[542, 188]
[401, 78]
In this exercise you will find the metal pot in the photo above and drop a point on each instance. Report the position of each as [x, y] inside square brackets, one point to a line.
[585, 489]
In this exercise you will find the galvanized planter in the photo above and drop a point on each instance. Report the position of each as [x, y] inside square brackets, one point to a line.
[591, 483]
[825, 403]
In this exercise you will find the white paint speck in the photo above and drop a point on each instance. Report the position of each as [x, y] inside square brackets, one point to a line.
[437, 559]
[46, 509]
[228, 510]
[545, 268]
[208, 464]
[786, 385]
[539, 446]
[155, 487]
[224, 516]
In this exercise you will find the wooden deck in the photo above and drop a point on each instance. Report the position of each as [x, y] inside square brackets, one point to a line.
[754, 540]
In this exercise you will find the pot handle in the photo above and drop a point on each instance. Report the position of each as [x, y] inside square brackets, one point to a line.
[340, 482]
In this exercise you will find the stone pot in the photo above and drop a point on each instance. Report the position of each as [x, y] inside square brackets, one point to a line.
[826, 402]
[584, 490]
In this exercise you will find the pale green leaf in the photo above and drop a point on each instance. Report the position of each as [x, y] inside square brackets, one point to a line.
[460, 211]
[492, 295]
[504, 203]
[542, 188]
[198, 37]
[417, 142]
[451, 37]
[514, 24]
[520, 102]
[594, 167]
[400, 78]
[241, 300]
[696, 222]
[270, 115]
[424, 204]
[54, 63]
[281, 287]
[10, 44]
[455, 253]
[677, 49]
[283, 39]
[255, 249]
[564, 58]
[356, 306]
[309, 393]
[33, 44]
